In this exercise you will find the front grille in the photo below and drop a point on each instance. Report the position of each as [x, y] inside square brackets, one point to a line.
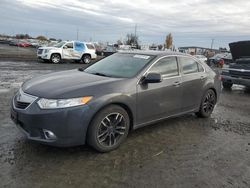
[40, 51]
[239, 74]
[21, 105]
[23, 100]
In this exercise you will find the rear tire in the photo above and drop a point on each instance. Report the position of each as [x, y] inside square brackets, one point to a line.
[108, 129]
[86, 59]
[55, 58]
[227, 85]
[207, 104]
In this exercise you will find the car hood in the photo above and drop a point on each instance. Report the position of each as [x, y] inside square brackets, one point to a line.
[240, 49]
[65, 84]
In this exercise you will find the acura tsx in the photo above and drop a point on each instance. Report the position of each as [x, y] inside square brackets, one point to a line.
[100, 104]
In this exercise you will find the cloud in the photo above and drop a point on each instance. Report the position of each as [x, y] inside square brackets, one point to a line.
[193, 22]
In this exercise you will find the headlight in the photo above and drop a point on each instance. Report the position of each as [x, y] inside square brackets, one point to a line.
[46, 51]
[62, 103]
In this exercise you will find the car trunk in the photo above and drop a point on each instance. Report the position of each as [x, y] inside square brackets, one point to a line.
[241, 55]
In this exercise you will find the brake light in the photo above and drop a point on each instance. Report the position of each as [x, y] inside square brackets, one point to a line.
[221, 62]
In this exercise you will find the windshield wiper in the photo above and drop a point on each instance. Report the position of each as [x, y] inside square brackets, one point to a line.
[100, 74]
[95, 73]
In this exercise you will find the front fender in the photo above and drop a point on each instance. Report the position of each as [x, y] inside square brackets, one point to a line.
[116, 98]
[55, 51]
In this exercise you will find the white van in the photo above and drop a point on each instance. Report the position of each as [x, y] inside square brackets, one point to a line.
[71, 50]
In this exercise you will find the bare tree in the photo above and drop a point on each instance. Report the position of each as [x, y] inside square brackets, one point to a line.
[119, 42]
[41, 37]
[132, 40]
[169, 41]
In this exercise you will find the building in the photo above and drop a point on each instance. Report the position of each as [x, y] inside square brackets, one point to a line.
[194, 50]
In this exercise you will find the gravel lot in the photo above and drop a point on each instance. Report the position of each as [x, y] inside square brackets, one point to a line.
[180, 152]
[17, 53]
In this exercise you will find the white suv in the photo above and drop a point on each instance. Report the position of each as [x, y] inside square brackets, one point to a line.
[73, 50]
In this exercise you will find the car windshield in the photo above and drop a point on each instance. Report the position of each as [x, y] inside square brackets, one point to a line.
[59, 45]
[122, 65]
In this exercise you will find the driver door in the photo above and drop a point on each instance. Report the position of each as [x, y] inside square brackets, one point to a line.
[159, 100]
[68, 51]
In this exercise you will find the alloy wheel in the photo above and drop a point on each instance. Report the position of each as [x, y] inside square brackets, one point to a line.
[86, 59]
[209, 102]
[55, 58]
[111, 129]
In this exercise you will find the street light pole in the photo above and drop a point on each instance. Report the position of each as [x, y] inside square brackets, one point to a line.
[212, 44]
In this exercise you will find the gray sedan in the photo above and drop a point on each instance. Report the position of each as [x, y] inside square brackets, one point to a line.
[99, 105]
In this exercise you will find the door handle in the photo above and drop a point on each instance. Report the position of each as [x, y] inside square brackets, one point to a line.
[176, 84]
[203, 77]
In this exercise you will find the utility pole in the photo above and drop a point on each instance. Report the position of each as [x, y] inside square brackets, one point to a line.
[135, 36]
[77, 33]
[212, 44]
[135, 29]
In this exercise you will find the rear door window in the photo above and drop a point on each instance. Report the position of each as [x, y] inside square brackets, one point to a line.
[69, 45]
[79, 46]
[167, 67]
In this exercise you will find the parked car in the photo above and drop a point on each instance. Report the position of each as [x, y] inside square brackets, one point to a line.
[73, 50]
[13, 43]
[238, 72]
[202, 58]
[109, 50]
[99, 48]
[219, 60]
[4, 41]
[99, 105]
[23, 44]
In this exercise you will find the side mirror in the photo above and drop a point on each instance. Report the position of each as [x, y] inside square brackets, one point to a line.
[151, 78]
[65, 47]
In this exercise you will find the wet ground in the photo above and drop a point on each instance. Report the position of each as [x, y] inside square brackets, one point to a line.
[180, 152]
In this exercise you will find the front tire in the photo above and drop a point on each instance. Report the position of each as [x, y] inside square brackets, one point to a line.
[207, 104]
[108, 129]
[55, 58]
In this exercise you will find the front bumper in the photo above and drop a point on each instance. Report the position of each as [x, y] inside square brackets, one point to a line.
[68, 125]
[93, 56]
[43, 56]
[235, 80]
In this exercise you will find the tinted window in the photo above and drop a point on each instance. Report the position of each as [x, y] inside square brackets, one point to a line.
[69, 45]
[90, 46]
[189, 65]
[79, 46]
[120, 65]
[167, 67]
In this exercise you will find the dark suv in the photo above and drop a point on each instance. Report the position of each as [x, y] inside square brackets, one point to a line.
[238, 72]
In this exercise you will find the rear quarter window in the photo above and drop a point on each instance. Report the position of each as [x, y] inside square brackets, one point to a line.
[200, 68]
[90, 46]
[189, 65]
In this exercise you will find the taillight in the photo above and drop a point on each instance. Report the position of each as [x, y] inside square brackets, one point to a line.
[221, 62]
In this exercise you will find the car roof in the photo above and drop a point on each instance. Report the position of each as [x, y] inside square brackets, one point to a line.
[155, 53]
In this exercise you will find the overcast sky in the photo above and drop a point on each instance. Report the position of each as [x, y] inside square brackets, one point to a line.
[192, 22]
